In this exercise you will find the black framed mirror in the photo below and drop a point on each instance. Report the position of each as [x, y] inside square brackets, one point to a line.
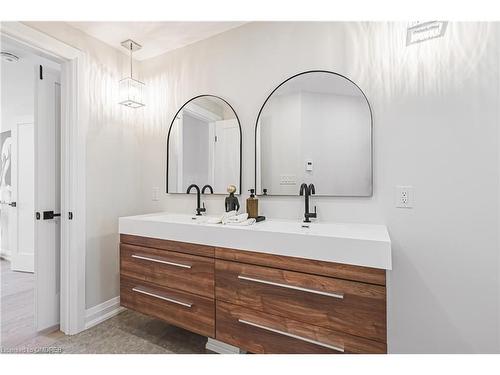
[204, 146]
[315, 127]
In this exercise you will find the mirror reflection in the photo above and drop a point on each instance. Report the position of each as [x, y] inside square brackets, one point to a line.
[316, 127]
[204, 146]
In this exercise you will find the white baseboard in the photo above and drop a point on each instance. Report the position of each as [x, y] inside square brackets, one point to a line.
[102, 312]
[50, 329]
[222, 348]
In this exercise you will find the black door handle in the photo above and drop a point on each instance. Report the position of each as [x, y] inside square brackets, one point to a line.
[13, 204]
[47, 215]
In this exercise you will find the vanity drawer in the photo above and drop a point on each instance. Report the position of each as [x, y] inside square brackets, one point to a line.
[185, 272]
[258, 332]
[316, 267]
[180, 247]
[194, 313]
[340, 305]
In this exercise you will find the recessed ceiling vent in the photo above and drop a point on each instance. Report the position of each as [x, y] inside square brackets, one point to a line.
[9, 57]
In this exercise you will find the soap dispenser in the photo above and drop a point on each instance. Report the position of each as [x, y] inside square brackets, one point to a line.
[252, 205]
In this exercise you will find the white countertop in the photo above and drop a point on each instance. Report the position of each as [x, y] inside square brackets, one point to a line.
[358, 244]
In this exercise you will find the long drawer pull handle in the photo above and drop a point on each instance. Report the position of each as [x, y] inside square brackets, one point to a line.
[161, 261]
[335, 295]
[163, 298]
[336, 348]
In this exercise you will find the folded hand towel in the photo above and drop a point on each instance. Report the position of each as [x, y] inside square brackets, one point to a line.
[222, 218]
[244, 222]
[235, 218]
[229, 214]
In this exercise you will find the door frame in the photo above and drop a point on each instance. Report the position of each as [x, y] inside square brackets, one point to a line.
[73, 179]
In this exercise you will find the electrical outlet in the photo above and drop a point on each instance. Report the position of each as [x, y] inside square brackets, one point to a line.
[309, 165]
[156, 194]
[404, 196]
[288, 179]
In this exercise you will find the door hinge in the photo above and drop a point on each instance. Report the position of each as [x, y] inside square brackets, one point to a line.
[70, 215]
[41, 72]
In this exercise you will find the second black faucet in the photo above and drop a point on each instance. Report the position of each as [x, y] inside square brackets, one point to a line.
[306, 191]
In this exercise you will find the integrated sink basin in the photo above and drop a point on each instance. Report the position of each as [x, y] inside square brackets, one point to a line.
[357, 244]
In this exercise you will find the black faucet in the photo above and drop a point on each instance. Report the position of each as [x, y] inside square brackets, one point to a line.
[207, 186]
[306, 191]
[199, 209]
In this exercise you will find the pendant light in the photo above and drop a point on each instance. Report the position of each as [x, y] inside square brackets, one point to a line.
[131, 90]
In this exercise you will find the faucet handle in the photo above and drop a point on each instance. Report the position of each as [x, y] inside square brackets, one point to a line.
[203, 209]
[315, 214]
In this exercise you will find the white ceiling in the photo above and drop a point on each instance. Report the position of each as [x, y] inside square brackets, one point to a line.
[156, 38]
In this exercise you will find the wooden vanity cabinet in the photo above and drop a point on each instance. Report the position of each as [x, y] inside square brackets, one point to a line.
[262, 303]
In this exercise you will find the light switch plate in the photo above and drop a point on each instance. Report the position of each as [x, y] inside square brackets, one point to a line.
[404, 196]
[156, 194]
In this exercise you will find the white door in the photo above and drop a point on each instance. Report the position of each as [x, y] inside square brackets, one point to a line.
[227, 154]
[22, 224]
[47, 197]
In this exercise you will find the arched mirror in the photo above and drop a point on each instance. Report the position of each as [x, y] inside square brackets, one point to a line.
[315, 127]
[204, 146]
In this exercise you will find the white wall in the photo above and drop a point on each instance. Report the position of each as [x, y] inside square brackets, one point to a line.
[113, 152]
[435, 127]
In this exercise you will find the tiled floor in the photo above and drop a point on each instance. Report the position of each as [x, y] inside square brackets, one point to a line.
[128, 332]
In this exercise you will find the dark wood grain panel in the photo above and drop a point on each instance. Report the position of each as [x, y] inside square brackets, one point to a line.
[198, 279]
[199, 318]
[231, 330]
[181, 247]
[361, 311]
[338, 270]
